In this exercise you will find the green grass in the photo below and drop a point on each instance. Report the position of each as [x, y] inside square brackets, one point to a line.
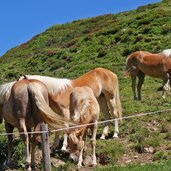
[164, 166]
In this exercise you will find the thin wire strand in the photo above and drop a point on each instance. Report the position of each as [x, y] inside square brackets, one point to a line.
[89, 124]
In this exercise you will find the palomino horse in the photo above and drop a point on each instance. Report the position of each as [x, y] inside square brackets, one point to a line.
[141, 63]
[26, 105]
[84, 109]
[104, 85]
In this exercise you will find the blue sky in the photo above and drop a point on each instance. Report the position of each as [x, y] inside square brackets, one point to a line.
[20, 20]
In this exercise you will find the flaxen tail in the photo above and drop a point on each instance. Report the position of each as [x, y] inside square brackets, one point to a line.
[117, 101]
[53, 119]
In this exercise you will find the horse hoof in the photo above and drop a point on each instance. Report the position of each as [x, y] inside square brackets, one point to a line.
[115, 135]
[94, 163]
[64, 149]
[102, 137]
[79, 166]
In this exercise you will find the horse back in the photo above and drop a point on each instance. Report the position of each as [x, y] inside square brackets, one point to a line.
[98, 80]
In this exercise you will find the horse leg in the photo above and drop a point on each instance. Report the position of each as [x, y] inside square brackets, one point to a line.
[141, 77]
[80, 159]
[166, 85]
[22, 128]
[35, 140]
[32, 149]
[133, 79]
[114, 111]
[9, 129]
[56, 142]
[65, 143]
[93, 143]
[105, 110]
[66, 114]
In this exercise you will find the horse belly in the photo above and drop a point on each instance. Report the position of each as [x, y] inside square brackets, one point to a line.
[157, 72]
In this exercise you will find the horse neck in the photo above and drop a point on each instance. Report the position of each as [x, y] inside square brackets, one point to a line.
[83, 121]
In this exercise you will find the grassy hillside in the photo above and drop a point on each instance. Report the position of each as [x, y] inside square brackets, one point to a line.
[71, 49]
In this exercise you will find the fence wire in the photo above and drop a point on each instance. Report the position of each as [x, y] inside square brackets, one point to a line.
[89, 124]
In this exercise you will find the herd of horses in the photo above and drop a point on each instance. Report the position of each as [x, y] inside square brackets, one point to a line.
[34, 99]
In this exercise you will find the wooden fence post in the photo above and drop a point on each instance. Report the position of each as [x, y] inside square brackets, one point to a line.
[45, 147]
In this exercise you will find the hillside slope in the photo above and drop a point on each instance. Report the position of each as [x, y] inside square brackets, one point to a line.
[70, 49]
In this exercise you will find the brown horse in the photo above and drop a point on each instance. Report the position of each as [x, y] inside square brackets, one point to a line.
[84, 109]
[141, 63]
[104, 85]
[26, 105]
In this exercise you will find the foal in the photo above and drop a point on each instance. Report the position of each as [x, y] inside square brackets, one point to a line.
[84, 109]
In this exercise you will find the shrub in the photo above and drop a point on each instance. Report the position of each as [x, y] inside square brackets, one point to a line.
[159, 155]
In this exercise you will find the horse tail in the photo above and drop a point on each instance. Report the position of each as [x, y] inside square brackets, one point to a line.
[5, 90]
[131, 62]
[117, 100]
[40, 99]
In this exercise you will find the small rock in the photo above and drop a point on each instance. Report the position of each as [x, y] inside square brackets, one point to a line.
[56, 162]
[135, 157]
[128, 161]
[88, 161]
[153, 129]
[149, 150]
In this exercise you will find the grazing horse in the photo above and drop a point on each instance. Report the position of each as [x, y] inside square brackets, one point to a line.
[141, 63]
[84, 109]
[104, 85]
[26, 105]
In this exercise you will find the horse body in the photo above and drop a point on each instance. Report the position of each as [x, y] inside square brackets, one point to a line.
[84, 109]
[104, 85]
[141, 63]
[27, 107]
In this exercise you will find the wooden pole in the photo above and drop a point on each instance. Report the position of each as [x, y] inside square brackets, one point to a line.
[45, 147]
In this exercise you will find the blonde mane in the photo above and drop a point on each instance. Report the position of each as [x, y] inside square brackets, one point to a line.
[86, 106]
[4, 91]
[54, 85]
[167, 52]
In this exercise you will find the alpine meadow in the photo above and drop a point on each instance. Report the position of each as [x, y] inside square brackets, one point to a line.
[70, 50]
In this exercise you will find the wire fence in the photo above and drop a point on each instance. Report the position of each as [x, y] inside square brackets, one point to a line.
[89, 124]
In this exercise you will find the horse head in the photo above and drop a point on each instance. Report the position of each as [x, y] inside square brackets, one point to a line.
[76, 144]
